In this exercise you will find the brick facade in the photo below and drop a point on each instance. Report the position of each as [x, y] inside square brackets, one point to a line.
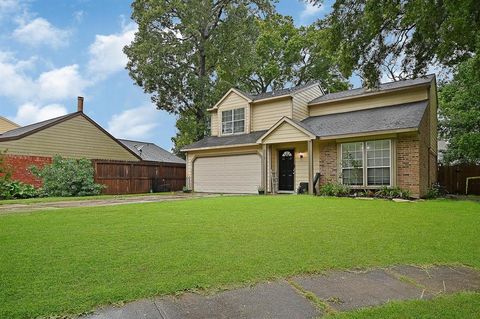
[328, 163]
[408, 163]
[20, 164]
[415, 165]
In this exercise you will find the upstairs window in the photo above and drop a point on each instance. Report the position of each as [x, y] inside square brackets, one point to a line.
[233, 121]
[366, 163]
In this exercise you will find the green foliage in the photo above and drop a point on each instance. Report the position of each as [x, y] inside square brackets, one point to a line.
[393, 192]
[285, 55]
[401, 38]
[435, 191]
[68, 177]
[16, 190]
[5, 169]
[460, 115]
[334, 189]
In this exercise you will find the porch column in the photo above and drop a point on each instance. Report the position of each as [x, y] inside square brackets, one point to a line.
[264, 168]
[310, 167]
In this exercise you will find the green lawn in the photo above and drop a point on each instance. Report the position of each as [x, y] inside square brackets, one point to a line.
[71, 260]
[30, 201]
[458, 306]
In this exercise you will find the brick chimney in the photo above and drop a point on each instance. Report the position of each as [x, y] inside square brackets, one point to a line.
[80, 104]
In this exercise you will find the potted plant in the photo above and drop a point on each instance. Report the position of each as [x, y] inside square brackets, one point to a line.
[261, 190]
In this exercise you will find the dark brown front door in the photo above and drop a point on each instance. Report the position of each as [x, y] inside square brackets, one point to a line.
[286, 170]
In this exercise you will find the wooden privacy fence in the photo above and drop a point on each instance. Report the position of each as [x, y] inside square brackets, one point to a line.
[453, 178]
[139, 177]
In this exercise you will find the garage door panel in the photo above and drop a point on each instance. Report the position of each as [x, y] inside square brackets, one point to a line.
[227, 174]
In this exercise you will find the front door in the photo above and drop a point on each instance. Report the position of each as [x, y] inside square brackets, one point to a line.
[286, 170]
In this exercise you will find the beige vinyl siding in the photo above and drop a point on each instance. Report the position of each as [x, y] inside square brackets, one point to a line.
[227, 174]
[193, 155]
[433, 119]
[6, 125]
[301, 99]
[378, 100]
[233, 101]
[285, 133]
[301, 164]
[265, 115]
[214, 127]
[73, 138]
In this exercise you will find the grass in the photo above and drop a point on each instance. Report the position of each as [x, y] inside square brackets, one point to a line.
[38, 200]
[71, 260]
[458, 306]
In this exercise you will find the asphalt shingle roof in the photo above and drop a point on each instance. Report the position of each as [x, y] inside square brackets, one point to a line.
[282, 92]
[402, 116]
[29, 128]
[382, 87]
[151, 152]
[240, 139]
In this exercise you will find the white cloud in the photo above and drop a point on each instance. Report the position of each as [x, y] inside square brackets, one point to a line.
[136, 123]
[106, 53]
[40, 32]
[29, 113]
[61, 83]
[53, 85]
[310, 10]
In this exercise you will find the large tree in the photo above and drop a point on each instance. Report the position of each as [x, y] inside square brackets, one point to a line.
[178, 47]
[284, 55]
[460, 115]
[402, 37]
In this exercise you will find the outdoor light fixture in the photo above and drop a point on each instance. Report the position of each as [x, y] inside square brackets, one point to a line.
[301, 155]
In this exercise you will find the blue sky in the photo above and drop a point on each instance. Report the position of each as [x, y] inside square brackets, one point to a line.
[52, 51]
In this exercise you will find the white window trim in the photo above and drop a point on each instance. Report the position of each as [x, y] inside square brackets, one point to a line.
[233, 121]
[365, 164]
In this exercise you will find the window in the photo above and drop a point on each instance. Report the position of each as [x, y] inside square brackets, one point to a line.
[378, 162]
[366, 163]
[233, 121]
[352, 163]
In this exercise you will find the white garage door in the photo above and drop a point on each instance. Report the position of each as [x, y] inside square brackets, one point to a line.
[227, 174]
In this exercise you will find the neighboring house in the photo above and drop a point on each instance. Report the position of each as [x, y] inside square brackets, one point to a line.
[73, 135]
[278, 140]
[7, 125]
[151, 152]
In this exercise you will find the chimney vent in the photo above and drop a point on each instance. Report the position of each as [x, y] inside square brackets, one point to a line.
[80, 104]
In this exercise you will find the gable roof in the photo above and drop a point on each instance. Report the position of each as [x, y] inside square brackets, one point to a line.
[398, 117]
[225, 141]
[282, 92]
[298, 125]
[27, 130]
[384, 87]
[8, 121]
[151, 152]
[267, 95]
[35, 127]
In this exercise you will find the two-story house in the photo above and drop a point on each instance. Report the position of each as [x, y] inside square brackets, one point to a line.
[280, 140]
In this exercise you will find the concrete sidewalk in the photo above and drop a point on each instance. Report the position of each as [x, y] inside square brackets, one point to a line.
[304, 296]
[14, 208]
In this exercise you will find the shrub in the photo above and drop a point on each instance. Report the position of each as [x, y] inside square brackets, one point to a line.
[435, 191]
[14, 190]
[68, 177]
[334, 189]
[393, 192]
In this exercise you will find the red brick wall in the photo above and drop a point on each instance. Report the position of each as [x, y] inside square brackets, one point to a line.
[20, 165]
